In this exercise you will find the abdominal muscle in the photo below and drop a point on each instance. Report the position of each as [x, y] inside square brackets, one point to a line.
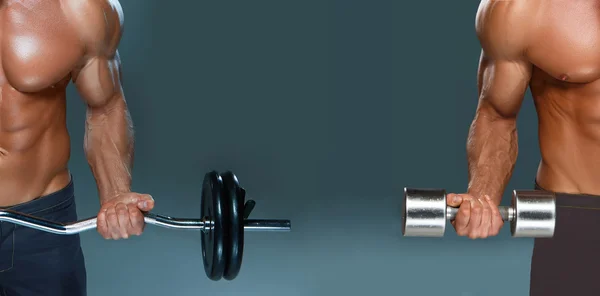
[569, 137]
[34, 146]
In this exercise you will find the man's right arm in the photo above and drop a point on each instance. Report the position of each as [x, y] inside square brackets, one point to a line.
[503, 76]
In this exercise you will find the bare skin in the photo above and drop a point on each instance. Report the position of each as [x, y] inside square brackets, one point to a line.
[550, 46]
[46, 44]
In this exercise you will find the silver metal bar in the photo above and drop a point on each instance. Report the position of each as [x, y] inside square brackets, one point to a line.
[507, 213]
[153, 219]
[267, 225]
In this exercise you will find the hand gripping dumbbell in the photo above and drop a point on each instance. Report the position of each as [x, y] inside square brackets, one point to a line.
[532, 213]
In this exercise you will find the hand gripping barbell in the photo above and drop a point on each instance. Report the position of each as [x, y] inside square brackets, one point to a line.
[532, 213]
[224, 218]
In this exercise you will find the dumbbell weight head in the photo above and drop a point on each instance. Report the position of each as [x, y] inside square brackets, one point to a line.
[534, 213]
[424, 212]
[235, 199]
[213, 210]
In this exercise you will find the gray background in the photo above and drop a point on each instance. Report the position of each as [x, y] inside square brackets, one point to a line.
[325, 110]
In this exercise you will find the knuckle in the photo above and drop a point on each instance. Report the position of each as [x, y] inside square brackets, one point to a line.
[135, 214]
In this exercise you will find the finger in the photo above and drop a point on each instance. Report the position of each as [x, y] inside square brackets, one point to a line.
[486, 219]
[145, 202]
[496, 219]
[462, 219]
[130, 198]
[102, 225]
[136, 219]
[475, 220]
[453, 200]
[123, 217]
[113, 223]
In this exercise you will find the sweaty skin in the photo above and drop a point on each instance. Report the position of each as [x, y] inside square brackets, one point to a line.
[45, 45]
[550, 46]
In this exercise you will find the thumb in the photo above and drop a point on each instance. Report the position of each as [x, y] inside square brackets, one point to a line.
[145, 203]
[454, 200]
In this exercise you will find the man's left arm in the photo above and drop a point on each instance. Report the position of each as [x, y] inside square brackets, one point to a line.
[109, 135]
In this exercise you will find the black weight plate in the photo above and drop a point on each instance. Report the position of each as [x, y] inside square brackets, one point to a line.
[235, 243]
[213, 240]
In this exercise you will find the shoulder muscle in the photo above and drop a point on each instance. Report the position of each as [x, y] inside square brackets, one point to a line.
[99, 24]
[504, 27]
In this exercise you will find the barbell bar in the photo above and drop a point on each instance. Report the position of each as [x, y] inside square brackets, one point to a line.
[425, 211]
[150, 218]
[224, 219]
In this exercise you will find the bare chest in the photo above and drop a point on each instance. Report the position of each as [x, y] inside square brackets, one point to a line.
[566, 43]
[38, 46]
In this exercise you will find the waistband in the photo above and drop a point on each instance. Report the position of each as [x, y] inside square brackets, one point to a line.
[45, 202]
[573, 200]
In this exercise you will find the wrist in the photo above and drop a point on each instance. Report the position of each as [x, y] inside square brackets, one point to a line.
[109, 195]
[495, 198]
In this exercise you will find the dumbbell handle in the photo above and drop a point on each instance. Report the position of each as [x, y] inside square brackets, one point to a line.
[154, 219]
[507, 213]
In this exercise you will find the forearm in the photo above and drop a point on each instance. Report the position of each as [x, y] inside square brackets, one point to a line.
[492, 149]
[109, 147]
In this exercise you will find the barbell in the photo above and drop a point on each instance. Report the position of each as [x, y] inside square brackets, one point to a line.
[223, 221]
[532, 213]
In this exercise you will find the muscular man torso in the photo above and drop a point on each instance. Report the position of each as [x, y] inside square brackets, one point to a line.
[565, 86]
[553, 46]
[43, 45]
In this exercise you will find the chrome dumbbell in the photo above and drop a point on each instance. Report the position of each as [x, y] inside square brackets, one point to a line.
[532, 213]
